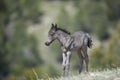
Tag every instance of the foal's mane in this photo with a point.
(64, 30)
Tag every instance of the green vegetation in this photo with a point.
(24, 25)
(95, 75)
(18, 50)
(98, 75)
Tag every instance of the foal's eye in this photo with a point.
(51, 33)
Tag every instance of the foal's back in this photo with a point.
(80, 39)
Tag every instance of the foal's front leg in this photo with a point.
(68, 54)
(64, 64)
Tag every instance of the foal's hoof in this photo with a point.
(86, 72)
(80, 72)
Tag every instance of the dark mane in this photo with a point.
(64, 30)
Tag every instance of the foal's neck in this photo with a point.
(62, 36)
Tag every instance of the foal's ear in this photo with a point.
(52, 24)
(55, 26)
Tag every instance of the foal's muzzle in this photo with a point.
(47, 43)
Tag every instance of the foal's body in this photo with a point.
(79, 41)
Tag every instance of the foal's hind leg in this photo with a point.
(86, 57)
(81, 61)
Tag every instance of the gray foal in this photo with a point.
(78, 41)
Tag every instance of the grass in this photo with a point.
(97, 75)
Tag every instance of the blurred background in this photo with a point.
(24, 25)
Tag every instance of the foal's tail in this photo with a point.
(89, 43)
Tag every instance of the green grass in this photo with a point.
(97, 75)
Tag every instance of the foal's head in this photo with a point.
(51, 35)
